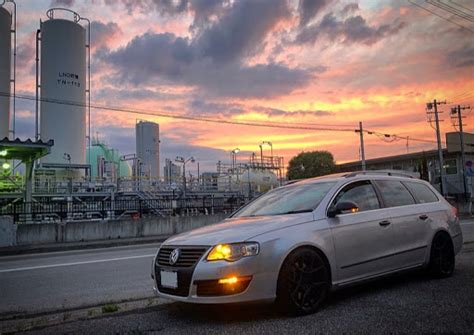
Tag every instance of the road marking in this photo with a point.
(74, 263)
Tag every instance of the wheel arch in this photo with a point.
(309, 246)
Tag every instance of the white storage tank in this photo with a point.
(5, 68)
(148, 147)
(63, 77)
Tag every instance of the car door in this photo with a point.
(363, 239)
(408, 220)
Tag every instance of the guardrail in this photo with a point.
(58, 211)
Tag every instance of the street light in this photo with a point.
(180, 159)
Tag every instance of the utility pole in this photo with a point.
(434, 105)
(458, 110)
(362, 149)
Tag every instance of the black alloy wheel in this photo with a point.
(304, 282)
(442, 259)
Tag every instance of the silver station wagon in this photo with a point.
(297, 243)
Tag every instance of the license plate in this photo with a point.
(169, 279)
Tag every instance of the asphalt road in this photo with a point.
(58, 280)
(411, 303)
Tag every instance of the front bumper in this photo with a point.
(262, 285)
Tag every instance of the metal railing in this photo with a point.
(72, 210)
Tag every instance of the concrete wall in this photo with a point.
(7, 232)
(28, 234)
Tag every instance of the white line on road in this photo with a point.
(73, 263)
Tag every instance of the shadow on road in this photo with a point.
(236, 313)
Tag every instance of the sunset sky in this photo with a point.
(319, 62)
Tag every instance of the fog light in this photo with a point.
(223, 286)
(230, 280)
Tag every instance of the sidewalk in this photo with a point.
(467, 225)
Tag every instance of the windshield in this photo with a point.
(287, 200)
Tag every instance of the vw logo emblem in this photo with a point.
(174, 256)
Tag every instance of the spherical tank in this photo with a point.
(5, 68)
(63, 77)
(263, 180)
(148, 147)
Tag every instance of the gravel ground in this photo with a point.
(410, 303)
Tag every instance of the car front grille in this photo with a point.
(188, 257)
(184, 267)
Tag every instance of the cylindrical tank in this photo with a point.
(5, 68)
(63, 77)
(148, 147)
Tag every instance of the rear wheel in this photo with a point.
(304, 282)
(442, 257)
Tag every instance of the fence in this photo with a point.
(54, 211)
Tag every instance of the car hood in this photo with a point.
(234, 230)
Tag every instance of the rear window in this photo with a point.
(422, 193)
(395, 193)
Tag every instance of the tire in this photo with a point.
(304, 282)
(442, 258)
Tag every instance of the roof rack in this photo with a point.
(397, 173)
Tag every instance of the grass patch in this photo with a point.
(110, 308)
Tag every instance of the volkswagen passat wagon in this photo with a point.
(297, 243)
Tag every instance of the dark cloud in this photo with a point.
(168, 7)
(308, 9)
(351, 30)
(241, 32)
(463, 57)
(296, 113)
(350, 8)
(214, 60)
(101, 33)
(204, 106)
(67, 3)
(114, 94)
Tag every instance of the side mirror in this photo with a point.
(343, 207)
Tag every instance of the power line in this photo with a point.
(179, 116)
(442, 17)
(220, 121)
(459, 5)
(450, 9)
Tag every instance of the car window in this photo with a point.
(394, 193)
(361, 193)
(422, 193)
(290, 199)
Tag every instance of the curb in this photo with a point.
(21, 323)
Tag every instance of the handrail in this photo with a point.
(50, 13)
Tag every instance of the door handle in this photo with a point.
(423, 217)
(384, 223)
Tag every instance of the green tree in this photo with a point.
(311, 164)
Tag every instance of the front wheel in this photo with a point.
(304, 282)
(442, 258)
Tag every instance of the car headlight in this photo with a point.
(233, 252)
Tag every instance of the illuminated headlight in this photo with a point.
(233, 252)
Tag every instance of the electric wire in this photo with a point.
(219, 121)
(440, 16)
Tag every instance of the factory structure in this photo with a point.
(68, 173)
